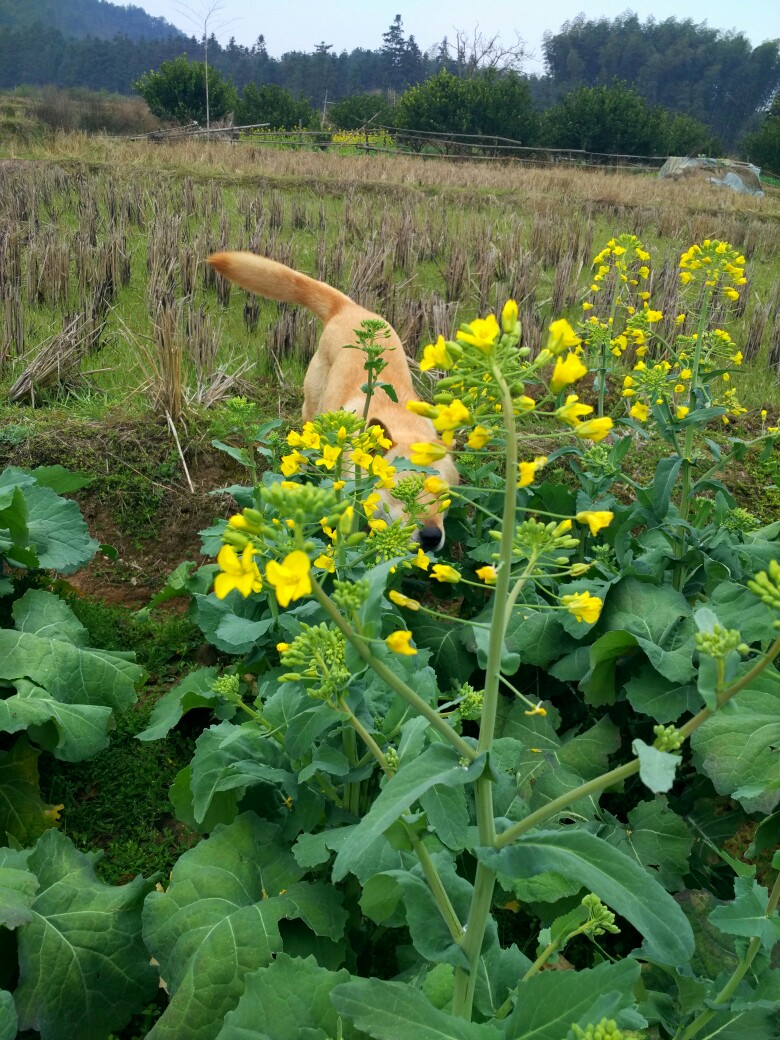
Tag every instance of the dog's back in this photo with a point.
(335, 375)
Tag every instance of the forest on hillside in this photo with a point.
(717, 78)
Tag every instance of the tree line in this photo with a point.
(676, 77)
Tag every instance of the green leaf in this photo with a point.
(83, 969)
(746, 914)
(436, 765)
(450, 658)
(223, 807)
(660, 619)
(657, 769)
(448, 815)
(551, 1002)
(737, 607)
(77, 731)
(44, 614)
(398, 1011)
(663, 482)
(430, 935)
(218, 921)
(218, 620)
(60, 480)
(650, 694)
(23, 815)
(192, 692)
(288, 996)
(57, 531)
(737, 746)
(229, 757)
(658, 839)
(17, 888)
(616, 879)
(9, 1023)
(537, 636)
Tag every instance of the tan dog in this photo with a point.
(335, 375)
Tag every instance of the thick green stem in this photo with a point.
(485, 879)
(392, 680)
(678, 577)
(595, 786)
(738, 974)
(435, 883)
(352, 790)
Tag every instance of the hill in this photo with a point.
(81, 18)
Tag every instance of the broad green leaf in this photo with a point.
(17, 888)
(746, 914)
(500, 970)
(71, 674)
(615, 878)
(537, 636)
(60, 480)
(311, 850)
(448, 815)
(657, 838)
(192, 692)
(737, 746)
(551, 1002)
(223, 807)
(9, 1023)
(57, 531)
(83, 969)
(650, 694)
(431, 937)
(451, 660)
(765, 995)
(76, 731)
(228, 757)
(657, 769)
(714, 951)
(660, 619)
(291, 711)
(44, 614)
(663, 482)
(241, 632)
(218, 619)
(218, 921)
(398, 1011)
(288, 996)
(599, 683)
(23, 815)
(436, 765)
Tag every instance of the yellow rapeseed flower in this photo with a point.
(509, 316)
(583, 606)
(487, 574)
(289, 579)
(639, 411)
(237, 572)
(567, 370)
(435, 486)
(571, 411)
(398, 642)
(444, 573)
(436, 355)
(595, 519)
(421, 561)
(594, 429)
(562, 337)
(403, 601)
(481, 333)
(682, 411)
(425, 453)
(478, 437)
(528, 470)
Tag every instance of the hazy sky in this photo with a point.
(301, 24)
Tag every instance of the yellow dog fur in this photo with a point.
(335, 375)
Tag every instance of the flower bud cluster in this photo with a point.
(667, 738)
(720, 642)
(766, 585)
(606, 1029)
(600, 917)
(318, 656)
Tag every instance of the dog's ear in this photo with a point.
(385, 431)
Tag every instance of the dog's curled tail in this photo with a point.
(275, 281)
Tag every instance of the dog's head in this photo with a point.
(430, 515)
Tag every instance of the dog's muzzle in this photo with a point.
(430, 538)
